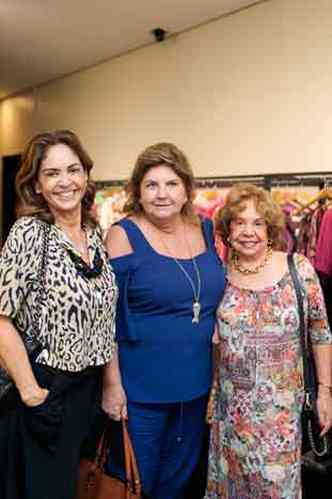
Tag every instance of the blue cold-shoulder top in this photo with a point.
(163, 356)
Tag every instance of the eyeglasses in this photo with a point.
(83, 269)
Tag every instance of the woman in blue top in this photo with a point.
(171, 282)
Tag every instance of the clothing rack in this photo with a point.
(268, 181)
(105, 184)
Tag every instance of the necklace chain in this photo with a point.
(197, 293)
(82, 248)
(254, 270)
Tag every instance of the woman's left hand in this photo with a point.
(215, 336)
(324, 407)
(114, 402)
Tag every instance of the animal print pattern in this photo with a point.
(76, 315)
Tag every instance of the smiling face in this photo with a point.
(162, 193)
(248, 233)
(62, 181)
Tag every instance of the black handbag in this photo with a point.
(316, 450)
(31, 342)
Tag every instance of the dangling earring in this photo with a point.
(269, 244)
(229, 242)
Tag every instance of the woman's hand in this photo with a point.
(35, 397)
(324, 407)
(215, 336)
(114, 402)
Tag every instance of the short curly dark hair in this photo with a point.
(264, 204)
(30, 203)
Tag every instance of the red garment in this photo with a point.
(323, 258)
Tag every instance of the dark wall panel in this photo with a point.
(10, 167)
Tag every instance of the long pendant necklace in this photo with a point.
(197, 293)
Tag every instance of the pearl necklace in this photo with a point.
(254, 270)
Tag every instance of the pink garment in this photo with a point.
(323, 258)
(222, 249)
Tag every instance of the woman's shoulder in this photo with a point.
(25, 231)
(301, 260)
(200, 225)
(23, 245)
(117, 242)
(24, 223)
(304, 266)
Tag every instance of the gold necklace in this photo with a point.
(254, 270)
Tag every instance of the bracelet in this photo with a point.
(328, 387)
(325, 385)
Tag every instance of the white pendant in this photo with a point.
(196, 312)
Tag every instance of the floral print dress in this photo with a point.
(256, 400)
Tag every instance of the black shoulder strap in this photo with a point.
(299, 298)
(30, 343)
(308, 368)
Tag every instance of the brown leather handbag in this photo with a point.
(94, 483)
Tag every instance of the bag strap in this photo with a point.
(308, 374)
(310, 386)
(46, 228)
(132, 474)
(131, 469)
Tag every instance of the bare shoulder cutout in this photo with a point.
(117, 242)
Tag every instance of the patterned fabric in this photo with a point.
(77, 314)
(258, 389)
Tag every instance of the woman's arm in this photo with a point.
(213, 402)
(114, 401)
(323, 362)
(321, 341)
(15, 360)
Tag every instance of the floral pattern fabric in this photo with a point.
(257, 396)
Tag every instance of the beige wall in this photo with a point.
(248, 93)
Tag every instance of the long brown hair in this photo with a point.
(32, 204)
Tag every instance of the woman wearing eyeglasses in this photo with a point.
(58, 292)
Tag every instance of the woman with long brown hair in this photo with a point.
(58, 294)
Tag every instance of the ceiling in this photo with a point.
(41, 40)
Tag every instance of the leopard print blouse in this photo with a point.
(76, 317)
